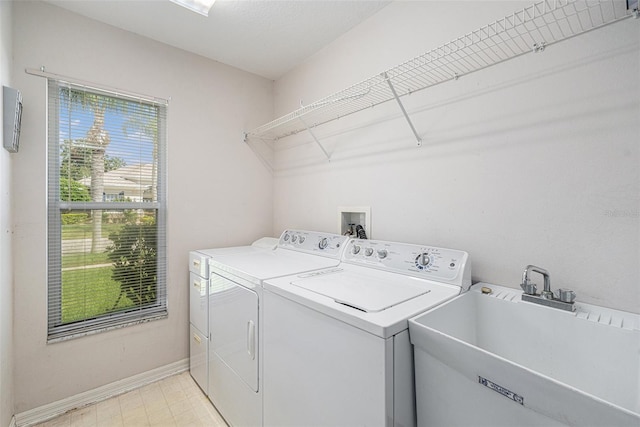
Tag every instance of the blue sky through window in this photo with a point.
(133, 146)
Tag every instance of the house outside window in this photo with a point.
(106, 210)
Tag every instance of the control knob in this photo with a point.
(368, 252)
(382, 253)
(423, 260)
(355, 249)
(294, 238)
(301, 239)
(323, 243)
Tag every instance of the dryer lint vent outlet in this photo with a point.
(349, 217)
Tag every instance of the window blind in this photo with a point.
(106, 210)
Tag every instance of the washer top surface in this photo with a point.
(378, 290)
(375, 301)
(365, 291)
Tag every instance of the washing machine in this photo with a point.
(199, 303)
(235, 316)
(336, 341)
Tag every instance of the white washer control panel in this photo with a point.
(315, 242)
(444, 265)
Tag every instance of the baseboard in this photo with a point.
(51, 410)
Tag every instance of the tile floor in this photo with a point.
(175, 401)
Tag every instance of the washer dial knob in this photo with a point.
(301, 239)
(286, 237)
(294, 238)
(368, 252)
(423, 260)
(355, 249)
(323, 243)
(382, 253)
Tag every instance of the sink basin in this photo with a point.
(492, 359)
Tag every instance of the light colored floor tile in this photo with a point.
(131, 400)
(174, 396)
(187, 382)
(108, 409)
(156, 407)
(137, 413)
(180, 407)
(188, 419)
(61, 421)
(116, 421)
(138, 420)
(175, 401)
(164, 423)
(84, 417)
(171, 383)
(160, 416)
(152, 396)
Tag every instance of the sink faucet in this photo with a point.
(565, 297)
(530, 288)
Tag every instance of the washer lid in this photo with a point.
(370, 293)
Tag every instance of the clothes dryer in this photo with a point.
(199, 304)
(235, 316)
(336, 341)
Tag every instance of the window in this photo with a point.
(106, 210)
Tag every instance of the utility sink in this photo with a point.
(492, 359)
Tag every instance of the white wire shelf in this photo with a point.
(531, 29)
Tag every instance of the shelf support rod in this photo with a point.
(406, 116)
(315, 139)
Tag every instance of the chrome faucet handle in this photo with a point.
(529, 287)
(565, 295)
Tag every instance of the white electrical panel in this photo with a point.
(12, 115)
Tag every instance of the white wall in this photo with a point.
(219, 192)
(533, 161)
(6, 235)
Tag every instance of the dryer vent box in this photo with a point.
(12, 115)
(349, 217)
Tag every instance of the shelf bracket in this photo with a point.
(539, 47)
(315, 139)
(406, 116)
(266, 162)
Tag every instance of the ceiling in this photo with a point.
(265, 37)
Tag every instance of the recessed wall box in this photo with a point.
(12, 115)
(349, 217)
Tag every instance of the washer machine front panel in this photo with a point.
(336, 341)
(320, 371)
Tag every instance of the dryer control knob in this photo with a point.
(323, 243)
(294, 238)
(355, 249)
(286, 237)
(368, 252)
(382, 253)
(301, 239)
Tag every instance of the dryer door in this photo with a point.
(233, 324)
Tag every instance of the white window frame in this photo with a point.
(56, 330)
